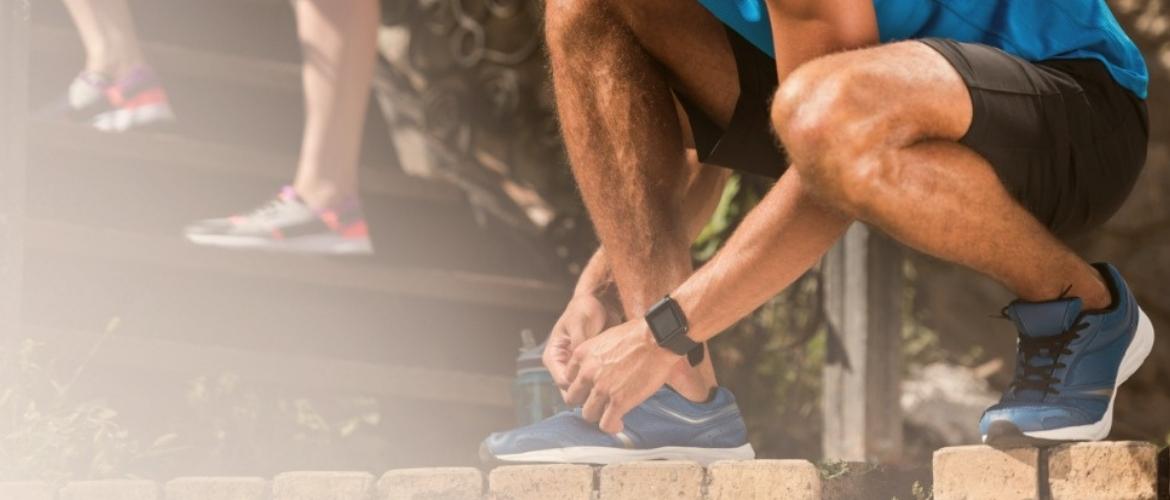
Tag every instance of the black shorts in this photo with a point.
(1065, 139)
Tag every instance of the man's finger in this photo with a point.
(554, 359)
(594, 407)
(611, 418)
(573, 367)
(578, 391)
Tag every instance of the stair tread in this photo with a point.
(220, 158)
(358, 377)
(458, 286)
(169, 58)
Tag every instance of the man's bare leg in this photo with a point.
(612, 63)
(874, 133)
(107, 32)
(339, 40)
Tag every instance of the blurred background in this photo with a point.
(142, 340)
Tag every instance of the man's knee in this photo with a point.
(836, 126)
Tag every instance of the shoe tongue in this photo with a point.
(1044, 319)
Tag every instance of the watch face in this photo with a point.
(663, 323)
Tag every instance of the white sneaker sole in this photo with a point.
(1137, 352)
(601, 455)
(324, 244)
(122, 120)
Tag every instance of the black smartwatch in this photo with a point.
(669, 326)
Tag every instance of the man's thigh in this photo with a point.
(1063, 137)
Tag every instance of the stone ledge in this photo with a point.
(1113, 470)
(29, 490)
(110, 490)
(1121, 470)
(541, 482)
(763, 479)
(323, 486)
(217, 488)
(445, 483)
(982, 472)
(1084, 471)
(665, 480)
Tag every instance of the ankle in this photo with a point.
(691, 384)
(114, 69)
(321, 197)
(1094, 293)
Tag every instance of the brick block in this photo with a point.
(763, 479)
(1120, 470)
(217, 488)
(110, 490)
(979, 472)
(542, 482)
(323, 486)
(658, 480)
(27, 490)
(441, 483)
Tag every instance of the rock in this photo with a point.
(1118, 470)
(441, 483)
(763, 479)
(542, 482)
(982, 472)
(665, 480)
(322, 486)
(110, 490)
(217, 488)
(26, 490)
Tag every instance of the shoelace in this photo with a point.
(268, 209)
(1042, 377)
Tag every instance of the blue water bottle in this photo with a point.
(534, 394)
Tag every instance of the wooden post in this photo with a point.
(14, 56)
(864, 285)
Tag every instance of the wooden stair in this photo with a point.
(429, 325)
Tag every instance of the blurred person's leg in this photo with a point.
(339, 40)
(107, 32)
(320, 212)
(116, 91)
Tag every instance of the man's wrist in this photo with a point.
(647, 336)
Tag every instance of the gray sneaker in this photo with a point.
(288, 224)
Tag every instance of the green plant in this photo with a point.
(45, 432)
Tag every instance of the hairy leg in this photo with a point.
(107, 32)
(874, 133)
(612, 63)
(339, 43)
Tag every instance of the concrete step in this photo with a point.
(1082, 471)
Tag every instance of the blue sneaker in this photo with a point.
(665, 427)
(1068, 369)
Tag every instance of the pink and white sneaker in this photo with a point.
(288, 224)
(137, 100)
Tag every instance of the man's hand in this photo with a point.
(584, 318)
(612, 373)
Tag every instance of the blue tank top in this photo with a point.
(1035, 30)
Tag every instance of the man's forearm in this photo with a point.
(778, 241)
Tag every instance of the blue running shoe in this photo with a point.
(665, 427)
(1069, 366)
